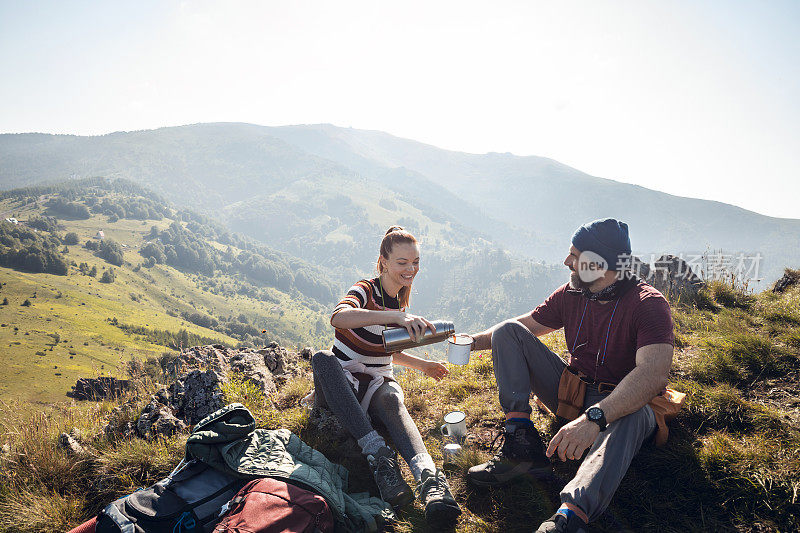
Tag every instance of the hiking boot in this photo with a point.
(441, 508)
(522, 453)
(394, 490)
(560, 523)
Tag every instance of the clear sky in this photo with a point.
(695, 98)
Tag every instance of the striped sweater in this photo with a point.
(364, 344)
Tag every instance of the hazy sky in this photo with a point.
(694, 98)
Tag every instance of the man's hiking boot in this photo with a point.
(441, 508)
(561, 523)
(522, 453)
(394, 490)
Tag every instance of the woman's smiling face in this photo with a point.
(402, 264)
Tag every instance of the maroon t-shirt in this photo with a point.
(605, 349)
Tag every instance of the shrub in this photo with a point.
(71, 238)
(730, 296)
(108, 276)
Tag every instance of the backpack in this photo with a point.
(269, 505)
(187, 501)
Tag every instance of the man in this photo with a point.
(619, 335)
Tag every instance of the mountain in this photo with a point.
(553, 199)
(529, 205)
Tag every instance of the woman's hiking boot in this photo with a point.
(441, 508)
(394, 490)
(562, 523)
(522, 453)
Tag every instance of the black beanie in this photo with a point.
(608, 238)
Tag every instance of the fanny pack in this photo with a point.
(572, 393)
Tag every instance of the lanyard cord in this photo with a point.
(598, 362)
(579, 327)
(608, 331)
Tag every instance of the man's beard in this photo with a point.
(577, 283)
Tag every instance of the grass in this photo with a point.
(732, 462)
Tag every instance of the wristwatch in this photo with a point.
(596, 415)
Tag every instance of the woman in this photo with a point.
(355, 379)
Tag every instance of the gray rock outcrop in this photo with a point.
(674, 278)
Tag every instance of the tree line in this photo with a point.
(22, 248)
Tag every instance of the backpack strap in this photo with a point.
(122, 522)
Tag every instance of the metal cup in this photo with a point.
(458, 348)
(455, 426)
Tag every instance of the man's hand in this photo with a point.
(435, 369)
(573, 439)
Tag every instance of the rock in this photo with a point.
(98, 388)
(674, 278)
(275, 358)
(69, 444)
(328, 425)
(639, 268)
(306, 353)
(251, 366)
(198, 395)
(157, 420)
(77, 434)
(196, 378)
(789, 279)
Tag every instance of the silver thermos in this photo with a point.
(396, 339)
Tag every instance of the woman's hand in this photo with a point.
(435, 369)
(416, 325)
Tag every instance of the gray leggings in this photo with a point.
(332, 390)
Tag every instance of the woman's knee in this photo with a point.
(322, 359)
(390, 398)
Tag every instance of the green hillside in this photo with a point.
(75, 325)
(731, 462)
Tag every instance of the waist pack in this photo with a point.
(269, 505)
(572, 392)
(189, 500)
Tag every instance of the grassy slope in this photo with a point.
(731, 463)
(77, 308)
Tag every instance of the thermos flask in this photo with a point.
(396, 339)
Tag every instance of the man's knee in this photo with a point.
(639, 424)
(507, 330)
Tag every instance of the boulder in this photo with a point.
(198, 394)
(70, 444)
(252, 367)
(98, 388)
(789, 279)
(674, 278)
(156, 420)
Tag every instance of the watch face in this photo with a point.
(594, 413)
